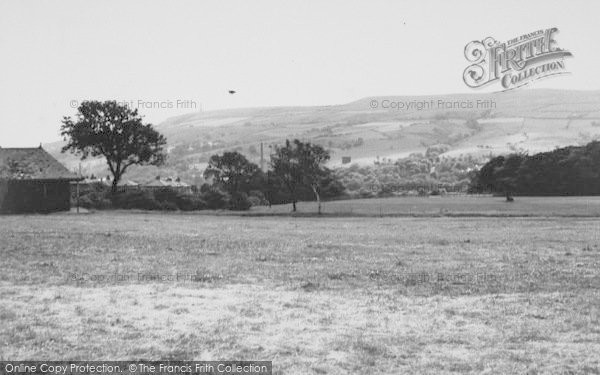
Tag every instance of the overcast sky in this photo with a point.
(272, 53)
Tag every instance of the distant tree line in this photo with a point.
(297, 169)
(573, 170)
(117, 133)
(418, 174)
(297, 172)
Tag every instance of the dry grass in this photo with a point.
(316, 296)
(457, 206)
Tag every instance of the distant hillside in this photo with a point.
(520, 120)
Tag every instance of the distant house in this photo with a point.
(169, 182)
(31, 180)
(91, 183)
(122, 185)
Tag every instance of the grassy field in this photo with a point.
(461, 205)
(325, 295)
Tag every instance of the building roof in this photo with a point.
(158, 183)
(32, 164)
(127, 183)
(168, 182)
(108, 182)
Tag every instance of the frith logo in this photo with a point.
(514, 63)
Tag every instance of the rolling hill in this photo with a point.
(386, 127)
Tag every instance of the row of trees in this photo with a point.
(118, 134)
(422, 173)
(565, 171)
(296, 167)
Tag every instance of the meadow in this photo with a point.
(329, 295)
(452, 206)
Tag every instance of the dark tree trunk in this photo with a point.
(294, 206)
(115, 183)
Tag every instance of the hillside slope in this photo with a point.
(476, 124)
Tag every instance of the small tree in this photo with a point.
(300, 164)
(115, 132)
(232, 171)
(312, 160)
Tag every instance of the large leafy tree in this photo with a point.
(232, 171)
(114, 132)
(299, 165)
(564, 171)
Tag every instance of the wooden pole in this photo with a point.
(262, 158)
(78, 187)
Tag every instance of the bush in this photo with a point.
(99, 197)
(257, 198)
(215, 199)
(137, 199)
(94, 196)
(205, 188)
(166, 195)
(239, 202)
(168, 206)
(85, 202)
(255, 201)
(162, 199)
(190, 203)
(98, 204)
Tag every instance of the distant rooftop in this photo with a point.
(32, 164)
(167, 182)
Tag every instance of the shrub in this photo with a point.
(85, 202)
(190, 203)
(94, 196)
(239, 202)
(254, 201)
(171, 199)
(166, 195)
(98, 204)
(205, 188)
(257, 198)
(140, 199)
(366, 193)
(215, 199)
(166, 199)
(168, 206)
